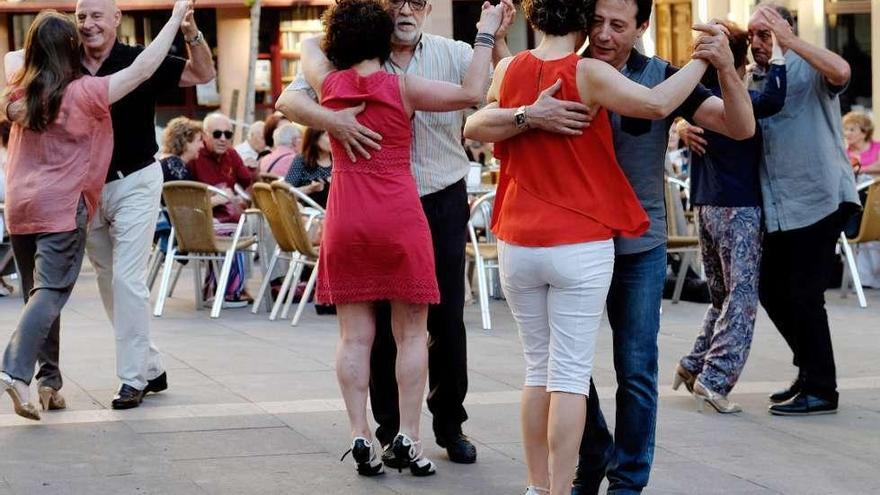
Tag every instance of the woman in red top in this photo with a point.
(560, 201)
(376, 243)
(59, 153)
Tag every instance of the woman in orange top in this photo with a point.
(561, 200)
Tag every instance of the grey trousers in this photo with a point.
(49, 264)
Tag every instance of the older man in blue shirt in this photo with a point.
(808, 190)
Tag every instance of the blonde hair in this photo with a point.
(179, 132)
(862, 121)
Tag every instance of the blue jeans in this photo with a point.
(634, 313)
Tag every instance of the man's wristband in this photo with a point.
(484, 39)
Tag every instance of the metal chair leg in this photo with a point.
(267, 276)
(166, 276)
(305, 297)
(682, 273)
(854, 271)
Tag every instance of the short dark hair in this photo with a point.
(643, 12)
(357, 30)
(559, 17)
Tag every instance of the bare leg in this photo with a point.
(409, 323)
(566, 426)
(357, 328)
(533, 417)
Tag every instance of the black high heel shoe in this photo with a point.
(368, 463)
(405, 448)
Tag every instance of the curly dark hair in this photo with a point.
(357, 30)
(559, 17)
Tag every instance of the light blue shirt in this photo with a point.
(805, 173)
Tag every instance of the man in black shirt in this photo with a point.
(121, 232)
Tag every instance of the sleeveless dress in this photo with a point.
(376, 243)
(557, 189)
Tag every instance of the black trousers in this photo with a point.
(447, 213)
(795, 270)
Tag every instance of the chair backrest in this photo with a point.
(676, 225)
(265, 201)
(292, 216)
(189, 208)
(481, 215)
(869, 230)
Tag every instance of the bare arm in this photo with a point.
(314, 62)
(200, 63)
(12, 111)
(440, 96)
(832, 66)
(143, 67)
(600, 84)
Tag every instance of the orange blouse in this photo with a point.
(555, 189)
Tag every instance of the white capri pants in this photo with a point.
(557, 296)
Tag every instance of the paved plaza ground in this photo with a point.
(253, 408)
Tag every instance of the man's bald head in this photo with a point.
(218, 133)
(96, 21)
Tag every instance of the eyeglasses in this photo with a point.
(415, 5)
(226, 134)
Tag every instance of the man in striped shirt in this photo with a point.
(439, 164)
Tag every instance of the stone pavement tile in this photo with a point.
(676, 474)
(280, 474)
(113, 485)
(231, 443)
(45, 453)
(863, 399)
(270, 387)
(176, 425)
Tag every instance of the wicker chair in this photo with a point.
(484, 254)
(297, 222)
(286, 248)
(192, 232)
(869, 231)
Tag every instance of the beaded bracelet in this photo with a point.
(484, 39)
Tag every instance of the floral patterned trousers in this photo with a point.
(730, 242)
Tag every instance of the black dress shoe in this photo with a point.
(788, 393)
(391, 460)
(804, 404)
(459, 449)
(128, 397)
(157, 384)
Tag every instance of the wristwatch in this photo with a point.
(519, 118)
(195, 40)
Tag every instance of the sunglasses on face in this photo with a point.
(226, 134)
(415, 5)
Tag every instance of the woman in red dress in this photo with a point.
(376, 244)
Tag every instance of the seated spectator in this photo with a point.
(252, 147)
(278, 161)
(859, 131)
(219, 165)
(310, 171)
(181, 143)
(272, 122)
